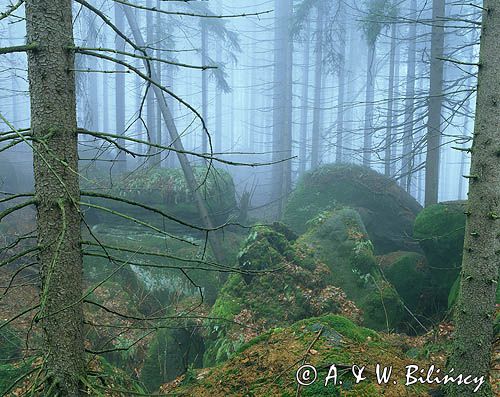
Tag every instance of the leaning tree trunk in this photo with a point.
(475, 312)
(435, 104)
(187, 170)
(55, 162)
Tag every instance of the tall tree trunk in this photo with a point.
(409, 101)
(318, 79)
(253, 100)
(218, 96)
(463, 156)
(55, 161)
(304, 107)
(342, 86)
(369, 97)
(281, 103)
(105, 98)
(120, 91)
(177, 144)
(159, 67)
(435, 104)
(288, 132)
(390, 104)
(150, 97)
(204, 83)
(475, 312)
(93, 93)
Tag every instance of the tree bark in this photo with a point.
(159, 67)
(120, 92)
(390, 104)
(369, 97)
(318, 79)
(204, 83)
(304, 108)
(409, 101)
(435, 104)
(281, 104)
(475, 311)
(218, 96)
(342, 83)
(55, 162)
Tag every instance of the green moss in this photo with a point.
(171, 354)
(340, 324)
(409, 274)
(340, 240)
(295, 287)
(382, 306)
(166, 189)
(388, 212)
(440, 230)
(266, 365)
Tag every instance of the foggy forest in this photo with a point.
(234, 198)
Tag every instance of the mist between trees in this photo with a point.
(160, 159)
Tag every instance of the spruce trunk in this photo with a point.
(55, 161)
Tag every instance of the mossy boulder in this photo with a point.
(409, 274)
(154, 260)
(166, 190)
(177, 348)
(280, 283)
(339, 239)
(387, 211)
(267, 365)
(440, 230)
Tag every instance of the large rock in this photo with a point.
(281, 283)
(388, 211)
(166, 190)
(339, 239)
(409, 273)
(440, 230)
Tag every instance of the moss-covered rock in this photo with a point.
(388, 212)
(440, 230)
(291, 285)
(382, 306)
(409, 274)
(267, 365)
(166, 190)
(177, 348)
(339, 239)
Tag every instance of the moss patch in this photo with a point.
(291, 285)
(165, 189)
(339, 239)
(267, 366)
(388, 212)
(440, 230)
